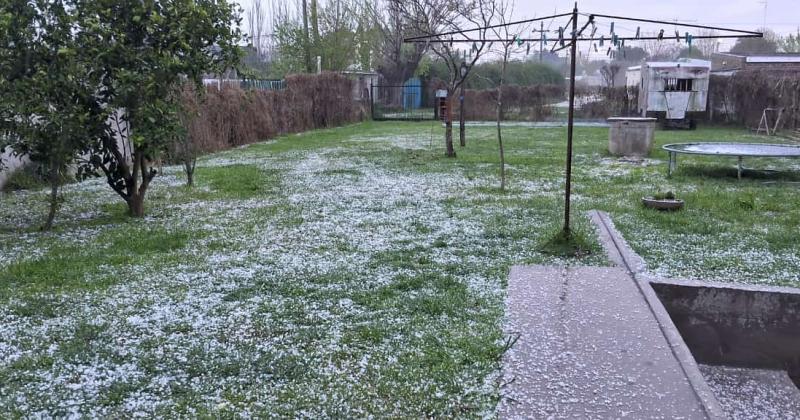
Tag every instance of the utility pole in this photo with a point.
(571, 121)
(541, 44)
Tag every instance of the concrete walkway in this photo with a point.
(589, 346)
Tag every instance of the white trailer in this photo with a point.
(671, 90)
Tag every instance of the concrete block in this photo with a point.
(631, 136)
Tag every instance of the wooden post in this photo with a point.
(461, 131)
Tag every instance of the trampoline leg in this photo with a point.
(740, 168)
(672, 163)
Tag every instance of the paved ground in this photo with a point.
(754, 393)
(589, 347)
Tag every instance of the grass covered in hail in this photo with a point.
(342, 273)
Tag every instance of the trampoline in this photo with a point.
(738, 150)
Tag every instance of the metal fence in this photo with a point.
(255, 84)
(409, 102)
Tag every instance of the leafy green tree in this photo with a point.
(145, 49)
(520, 73)
(49, 107)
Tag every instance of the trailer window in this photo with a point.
(678, 85)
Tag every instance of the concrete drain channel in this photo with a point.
(744, 341)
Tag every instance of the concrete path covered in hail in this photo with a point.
(589, 347)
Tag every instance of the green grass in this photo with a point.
(238, 181)
(347, 272)
(572, 244)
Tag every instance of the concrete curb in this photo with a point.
(622, 255)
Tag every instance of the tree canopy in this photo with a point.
(145, 50)
(49, 104)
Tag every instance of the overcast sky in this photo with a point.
(783, 16)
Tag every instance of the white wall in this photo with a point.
(10, 164)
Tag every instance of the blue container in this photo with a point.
(412, 94)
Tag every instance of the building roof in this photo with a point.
(766, 58)
(684, 62)
(774, 59)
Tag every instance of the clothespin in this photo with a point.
(637, 32)
(612, 28)
(595, 47)
(451, 42)
(608, 53)
(689, 39)
(661, 35)
(615, 40)
(519, 41)
(474, 47)
(602, 40)
(678, 36)
(561, 36)
(528, 51)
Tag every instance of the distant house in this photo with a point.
(729, 63)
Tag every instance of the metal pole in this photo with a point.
(541, 44)
(461, 137)
(570, 123)
(372, 100)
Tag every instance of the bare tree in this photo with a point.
(609, 73)
(433, 18)
(397, 61)
(504, 11)
(664, 49)
(706, 46)
(256, 23)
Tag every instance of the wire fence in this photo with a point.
(247, 84)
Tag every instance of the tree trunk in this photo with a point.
(499, 119)
(54, 181)
(448, 128)
(500, 144)
(461, 130)
(189, 165)
(306, 42)
(136, 205)
(138, 188)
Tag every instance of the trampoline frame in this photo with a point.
(674, 151)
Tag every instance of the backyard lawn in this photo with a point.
(346, 272)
